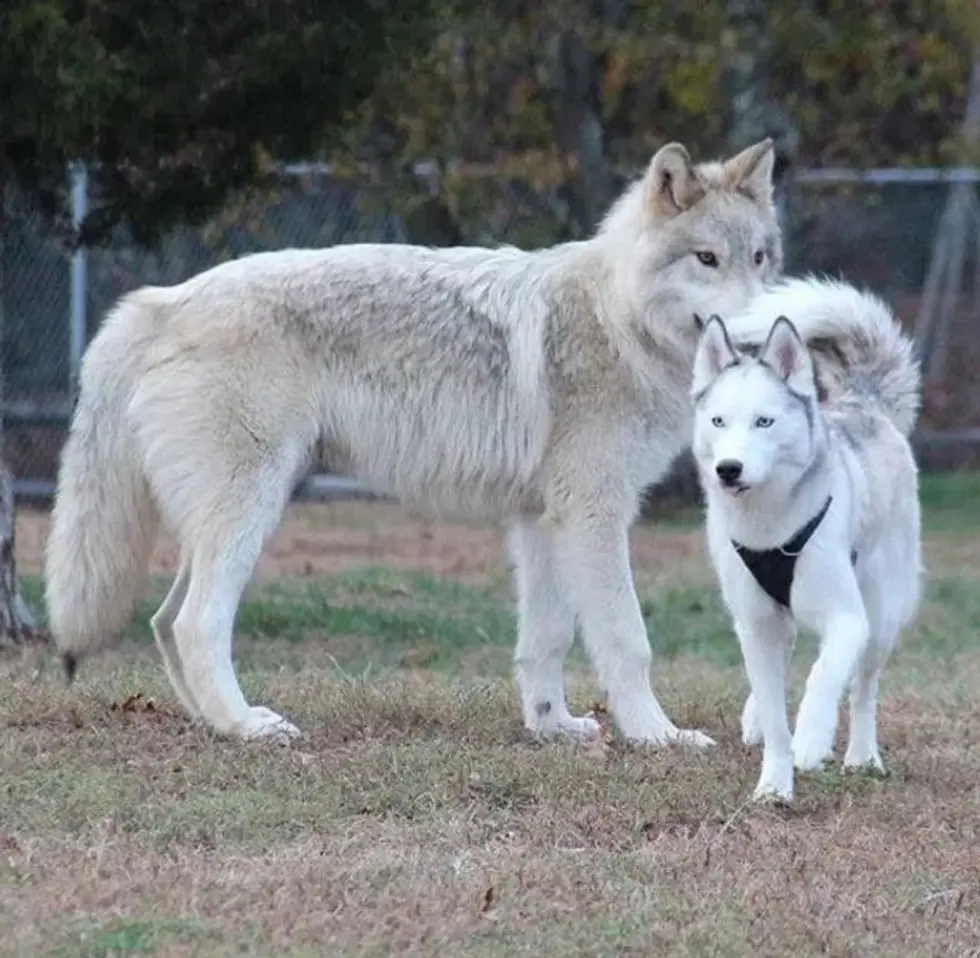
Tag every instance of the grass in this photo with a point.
(416, 817)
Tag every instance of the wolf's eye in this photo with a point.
(717, 422)
(759, 257)
(763, 422)
(707, 258)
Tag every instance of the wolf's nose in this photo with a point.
(729, 471)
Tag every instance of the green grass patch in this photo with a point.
(126, 937)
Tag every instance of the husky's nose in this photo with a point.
(729, 471)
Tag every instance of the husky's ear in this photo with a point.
(750, 172)
(787, 355)
(715, 353)
(672, 183)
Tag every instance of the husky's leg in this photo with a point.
(223, 553)
(884, 612)
(862, 745)
(545, 631)
(751, 728)
(162, 625)
(593, 553)
(845, 635)
(767, 641)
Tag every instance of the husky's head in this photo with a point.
(755, 421)
(690, 240)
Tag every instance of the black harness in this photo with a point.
(773, 569)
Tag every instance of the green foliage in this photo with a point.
(863, 82)
(188, 102)
(176, 105)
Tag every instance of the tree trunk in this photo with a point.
(16, 622)
(943, 287)
(579, 124)
(752, 114)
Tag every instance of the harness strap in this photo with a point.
(774, 568)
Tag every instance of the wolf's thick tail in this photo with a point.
(858, 344)
(104, 519)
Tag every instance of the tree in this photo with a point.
(515, 96)
(752, 111)
(175, 106)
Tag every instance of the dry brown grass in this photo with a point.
(417, 818)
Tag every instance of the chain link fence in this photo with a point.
(876, 229)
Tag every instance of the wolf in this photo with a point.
(812, 502)
(542, 389)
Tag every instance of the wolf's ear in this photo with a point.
(715, 353)
(672, 183)
(787, 356)
(750, 172)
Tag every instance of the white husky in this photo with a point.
(544, 388)
(812, 507)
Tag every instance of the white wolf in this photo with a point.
(545, 389)
(812, 507)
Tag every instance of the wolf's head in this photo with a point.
(690, 240)
(755, 420)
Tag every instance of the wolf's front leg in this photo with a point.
(766, 637)
(545, 631)
(593, 555)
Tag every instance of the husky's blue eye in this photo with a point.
(706, 258)
(763, 422)
(717, 422)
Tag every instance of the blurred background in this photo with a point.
(143, 144)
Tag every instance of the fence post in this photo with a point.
(77, 328)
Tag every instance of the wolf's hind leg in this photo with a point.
(231, 525)
(162, 625)
(545, 632)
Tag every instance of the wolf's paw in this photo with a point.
(692, 738)
(263, 723)
(565, 726)
(687, 737)
(553, 720)
(751, 730)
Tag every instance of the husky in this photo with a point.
(543, 389)
(812, 507)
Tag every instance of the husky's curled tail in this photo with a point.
(860, 351)
(104, 518)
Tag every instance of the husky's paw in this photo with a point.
(751, 730)
(263, 723)
(861, 758)
(775, 781)
(812, 747)
(769, 793)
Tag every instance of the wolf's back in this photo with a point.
(858, 345)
